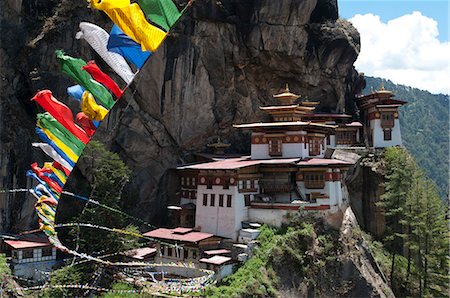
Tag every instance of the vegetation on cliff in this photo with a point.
(306, 258)
(417, 235)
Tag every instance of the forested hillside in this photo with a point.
(425, 128)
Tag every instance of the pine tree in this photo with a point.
(399, 167)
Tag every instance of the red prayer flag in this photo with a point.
(60, 167)
(86, 123)
(61, 113)
(102, 78)
(40, 173)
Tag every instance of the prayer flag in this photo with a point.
(122, 44)
(47, 122)
(61, 113)
(161, 12)
(131, 20)
(86, 123)
(91, 109)
(103, 78)
(98, 38)
(72, 67)
(75, 92)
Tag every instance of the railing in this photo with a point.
(272, 186)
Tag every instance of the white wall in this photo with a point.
(274, 217)
(378, 135)
(32, 269)
(222, 221)
(37, 256)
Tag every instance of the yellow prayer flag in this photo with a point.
(91, 108)
(131, 20)
(109, 4)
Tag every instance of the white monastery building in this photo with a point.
(287, 170)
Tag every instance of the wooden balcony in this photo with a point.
(274, 187)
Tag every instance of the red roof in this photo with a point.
(171, 234)
(322, 161)
(20, 244)
(237, 163)
(140, 253)
(216, 260)
(217, 252)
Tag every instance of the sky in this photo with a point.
(406, 42)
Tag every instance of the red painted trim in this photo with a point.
(274, 206)
(320, 207)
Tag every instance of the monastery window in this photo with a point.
(15, 254)
(193, 181)
(229, 200)
(205, 199)
(247, 184)
(387, 119)
(328, 140)
(27, 254)
(247, 200)
(275, 147)
(314, 146)
(209, 183)
(226, 183)
(182, 180)
(169, 251)
(220, 200)
(213, 200)
(185, 253)
(47, 252)
(387, 134)
(194, 254)
(187, 181)
(314, 180)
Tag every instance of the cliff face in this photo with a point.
(223, 60)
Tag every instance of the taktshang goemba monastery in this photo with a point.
(290, 167)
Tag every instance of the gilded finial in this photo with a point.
(382, 85)
(287, 87)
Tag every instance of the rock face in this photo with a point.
(223, 60)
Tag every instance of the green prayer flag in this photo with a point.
(46, 121)
(162, 12)
(72, 67)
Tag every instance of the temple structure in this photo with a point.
(288, 169)
(379, 111)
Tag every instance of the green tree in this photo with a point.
(398, 179)
(108, 176)
(68, 275)
(416, 226)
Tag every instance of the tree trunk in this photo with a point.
(392, 270)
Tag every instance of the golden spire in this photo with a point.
(382, 85)
(287, 97)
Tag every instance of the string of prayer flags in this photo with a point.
(73, 68)
(131, 20)
(122, 44)
(102, 78)
(98, 38)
